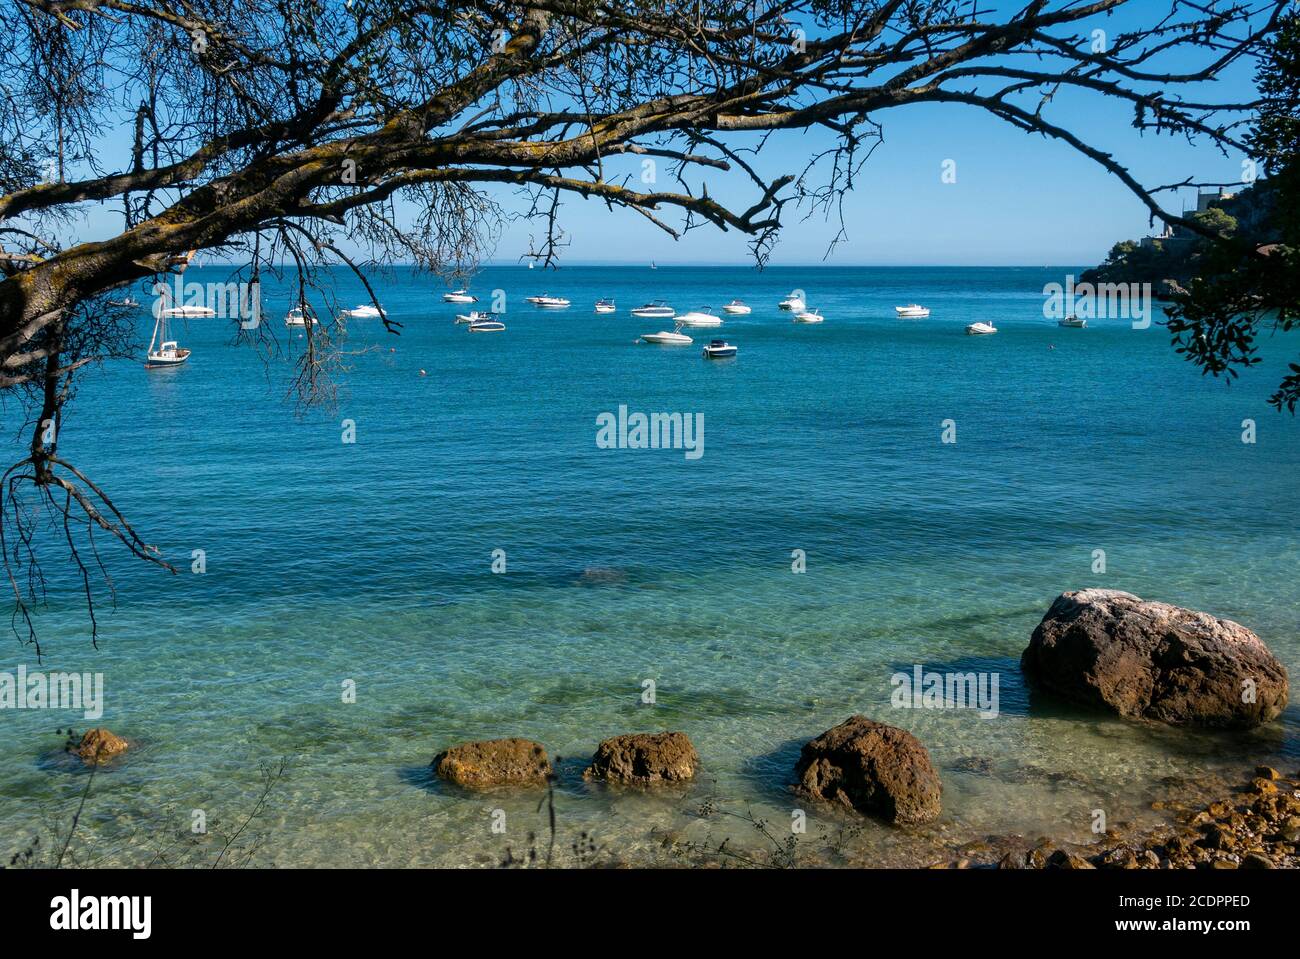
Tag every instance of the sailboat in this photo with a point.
(168, 352)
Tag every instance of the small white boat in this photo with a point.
(981, 329)
(1073, 323)
(656, 310)
(736, 308)
(367, 311)
(699, 317)
(912, 311)
(664, 338)
(551, 302)
(793, 303)
(718, 350)
(459, 296)
(487, 326)
(189, 311)
(125, 301)
(809, 316)
(297, 318)
(605, 306)
(475, 316)
(168, 353)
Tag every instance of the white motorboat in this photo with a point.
(736, 308)
(719, 350)
(912, 311)
(459, 296)
(367, 311)
(296, 318)
(809, 316)
(192, 310)
(664, 338)
(125, 301)
(700, 317)
(655, 310)
(793, 303)
(487, 326)
(475, 316)
(1073, 323)
(168, 353)
(981, 329)
(605, 306)
(551, 302)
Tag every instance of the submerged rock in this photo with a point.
(1149, 660)
(100, 745)
(602, 576)
(494, 762)
(644, 759)
(878, 770)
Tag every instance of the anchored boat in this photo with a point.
(297, 317)
(699, 317)
(655, 309)
(169, 352)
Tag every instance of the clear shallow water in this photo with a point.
(371, 562)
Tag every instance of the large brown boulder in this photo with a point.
(644, 759)
(878, 770)
(494, 762)
(100, 745)
(1148, 660)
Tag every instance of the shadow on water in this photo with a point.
(1013, 694)
(771, 774)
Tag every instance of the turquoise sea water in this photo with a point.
(371, 561)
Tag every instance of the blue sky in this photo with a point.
(1018, 199)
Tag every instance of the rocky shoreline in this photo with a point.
(1256, 826)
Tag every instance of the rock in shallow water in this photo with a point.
(876, 769)
(494, 762)
(1149, 660)
(100, 745)
(644, 759)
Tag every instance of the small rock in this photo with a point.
(1257, 860)
(877, 769)
(100, 745)
(1267, 772)
(1120, 858)
(644, 759)
(494, 762)
(1067, 860)
(1218, 836)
